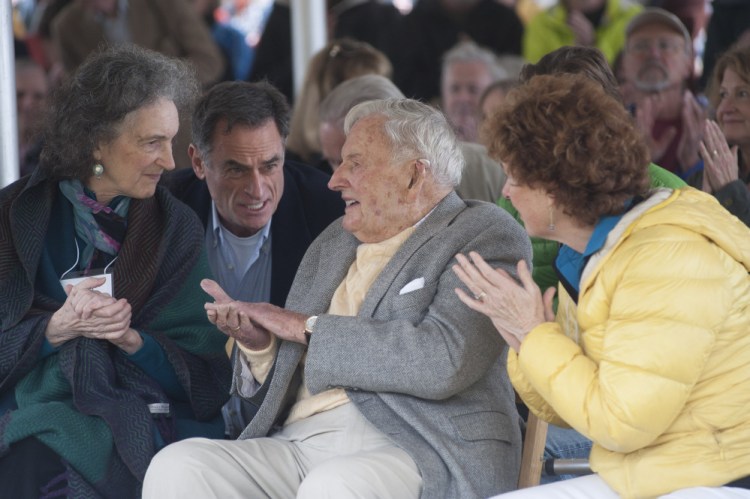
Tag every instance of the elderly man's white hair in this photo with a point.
(468, 51)
(351, 92)
(415, 130)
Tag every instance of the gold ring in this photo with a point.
(480, 296)
(716, 153)
(236, 328)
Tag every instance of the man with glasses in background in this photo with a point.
(657, 67)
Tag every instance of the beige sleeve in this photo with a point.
(260, 361)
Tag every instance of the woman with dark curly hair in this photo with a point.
(105, 351)
(649, 355)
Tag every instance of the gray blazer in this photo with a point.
(421, 366)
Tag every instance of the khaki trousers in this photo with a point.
(334, 454)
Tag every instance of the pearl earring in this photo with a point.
(98, 170)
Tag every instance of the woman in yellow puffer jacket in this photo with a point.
(649, 355)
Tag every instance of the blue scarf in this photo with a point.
(100, 227)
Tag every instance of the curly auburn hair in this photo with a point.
(563, 133)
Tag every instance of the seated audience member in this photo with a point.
(379, 383)
(433, 27)
(648, 358)
(467, 70)
(657, 66)
(32, 91)
(260, 211)
(105, 356)
(338, 61)
(482, 178)
(693, 14)
(726, 171)
(563, 443)
(583, 23)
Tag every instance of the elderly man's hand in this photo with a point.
(251, 323)
(231, 318)
(284, 324)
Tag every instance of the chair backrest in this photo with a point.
(532, 459)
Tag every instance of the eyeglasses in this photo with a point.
(662, 45)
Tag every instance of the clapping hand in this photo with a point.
(720, 163)
(583, 30)
(646, 111)
(514, 309)
(693, 119)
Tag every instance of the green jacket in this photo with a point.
(549, 30)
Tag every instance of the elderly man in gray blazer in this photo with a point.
(374, 380)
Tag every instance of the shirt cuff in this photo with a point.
(259, 361)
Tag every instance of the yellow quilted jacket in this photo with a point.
(653, 364)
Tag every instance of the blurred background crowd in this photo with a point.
(444, 52)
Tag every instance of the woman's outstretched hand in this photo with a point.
(514, 309)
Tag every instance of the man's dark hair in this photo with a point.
(238, 103)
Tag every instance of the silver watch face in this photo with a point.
(310, 323)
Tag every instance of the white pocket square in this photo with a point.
(412, 286)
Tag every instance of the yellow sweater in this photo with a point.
(653, 364)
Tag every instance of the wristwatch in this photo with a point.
(309, 325)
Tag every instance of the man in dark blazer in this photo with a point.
(379, 382)
(260, 211)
